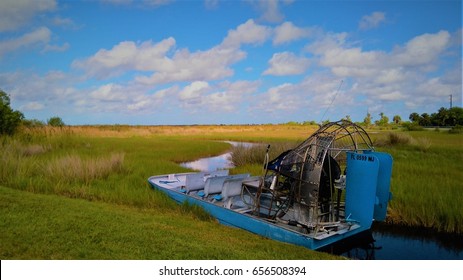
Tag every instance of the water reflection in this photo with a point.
(215, 163)
(210, 164)
(386, 242)
(405, 243)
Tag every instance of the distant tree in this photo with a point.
(309, 123)
(9, 118)
(347, 118)
(367, 120)
(414, 117)
(441, 117)
(456, 116)
(33, 123)
(448, 117)
(425, 120)
(56, 122)
(383, 121)
(397, 119)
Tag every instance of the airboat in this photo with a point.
(331, 186)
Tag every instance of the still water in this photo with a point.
(382, 242)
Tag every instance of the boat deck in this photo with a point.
(226, 191)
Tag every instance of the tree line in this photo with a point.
(443, 117)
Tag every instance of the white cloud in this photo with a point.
(32, 106)
(288, 32)
(143, 3)
(65, 23)
(202, 97)
(56, 48)
(193, 92)
(170, 65)
(351, 57)
(327, 41)
(157, 3)
(230, 95)
(123, 98)
(308, 97)
(423, 49)
(270, 10)
(418, 55)
(26, 86)
(391, 96)
(15, 14)
(211, 4)
(40, 37)
(287, 63)
(372, 21)
(127, 56)
(110, 92)
(247, 33)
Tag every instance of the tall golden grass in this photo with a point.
(71, 168)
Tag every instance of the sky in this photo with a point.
(163, 62)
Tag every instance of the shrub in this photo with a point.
(394, 138)
(56, 122)
(456, 129)
(412, 126)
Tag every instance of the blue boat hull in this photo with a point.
(255, 225)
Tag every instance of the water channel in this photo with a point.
(382, 242)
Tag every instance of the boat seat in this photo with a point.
(214, 185)
(232, 188)
(197, 181)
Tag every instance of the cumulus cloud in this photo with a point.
(192, 92)
(32, 106)
(287, 63)
(247, 33)
(169, 64)
(288, 32)
(38, 37)
(15, 14)
(372, 21)
(271, 10)
(225, 96)
(344, 61)
(423, 49)
(145, 3)
(56, 48)
(228, 96)
(131, 98)
(309, 97)
(127, 56)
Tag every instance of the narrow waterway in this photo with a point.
(382, 242)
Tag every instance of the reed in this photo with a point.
(255, 154)
(71, 168)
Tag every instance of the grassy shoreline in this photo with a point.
(110, 165)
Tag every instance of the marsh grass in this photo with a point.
(242, 155)
(73, 168)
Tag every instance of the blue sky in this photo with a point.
(229, 62)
